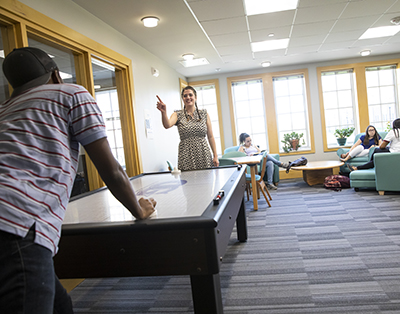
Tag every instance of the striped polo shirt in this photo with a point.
(39, 135)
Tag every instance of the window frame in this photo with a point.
(269, 104)
(27, 20)
(361, 93)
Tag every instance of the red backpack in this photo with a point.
(337, 182)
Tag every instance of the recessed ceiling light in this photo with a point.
(266, 64)
(365, 53)
(395, 20)
(194, 62)
(271, 35)
(254, 7)
(150, 21)
(382, 31)
(270, 45)
(217, 69)
(188, 56)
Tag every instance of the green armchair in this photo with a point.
(356, 161)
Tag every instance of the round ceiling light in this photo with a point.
(150, 21)
(365, 53)
(265, 64)
(188, 56)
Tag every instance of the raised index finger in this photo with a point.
(159, 98)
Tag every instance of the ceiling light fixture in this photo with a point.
(395, 20)
(150, 21)
(382, 31)
(254, 7)
(266, 64)
(188, 56)
(194, 62)
(267, 45)
(365, 53)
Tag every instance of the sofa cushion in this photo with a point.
(365, 174)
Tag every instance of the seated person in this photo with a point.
(251, 150)
(370, 139)
(393, 137)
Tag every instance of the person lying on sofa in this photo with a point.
(370, 139)
(393, 137)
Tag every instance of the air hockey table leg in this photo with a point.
(241, 223)
(206, 293)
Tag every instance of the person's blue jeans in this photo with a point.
(270, 168)
(28, 284)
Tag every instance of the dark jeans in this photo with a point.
(370, 164)
(28, 284)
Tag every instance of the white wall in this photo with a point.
(164, 146)
(314, 99)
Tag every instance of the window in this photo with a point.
(339, 103)
(248, 104)
(382, 95)
(207, 99)
(291, 108)
(107, 100)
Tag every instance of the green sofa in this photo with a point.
(356, 161)
(276, 156)
(384, 177)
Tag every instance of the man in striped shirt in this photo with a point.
(41, 126)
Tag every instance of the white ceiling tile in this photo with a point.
(228, 39)
(237, 57)
(336, 46)
(270, 20)
(225, 26)
(262, 34)
(359, 23)
(303, 49)
(306, 40)
(344, 36)
(308, 29)
(234, 49)
(269, 54)
(367, 7)
(312, 3)
(219, 9)
(319, 13)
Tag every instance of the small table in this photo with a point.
(251, 161)
(315, 172)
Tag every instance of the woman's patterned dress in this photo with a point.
(194, 152)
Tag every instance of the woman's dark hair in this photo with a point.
(242, 138)
(396, 127)
(195, 94)
(376, 136)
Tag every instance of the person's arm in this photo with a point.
(167, 122)
(383, 144)
(116, 179)
(258, 150)
(211, 140)
(241, 149)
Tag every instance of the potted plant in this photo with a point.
(291, 141)
(343, 134)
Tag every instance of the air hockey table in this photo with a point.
(187, 235)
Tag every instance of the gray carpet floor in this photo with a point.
(313, 251)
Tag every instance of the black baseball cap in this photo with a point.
(27, 67)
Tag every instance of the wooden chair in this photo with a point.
(260, 182)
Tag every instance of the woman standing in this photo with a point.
(369, 140)
(193, 126)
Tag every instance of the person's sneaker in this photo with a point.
(285, 165)
(271, 187)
